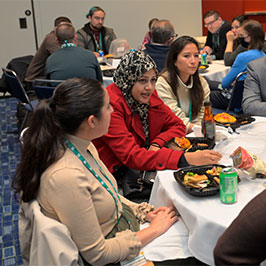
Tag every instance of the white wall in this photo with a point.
(129, 18)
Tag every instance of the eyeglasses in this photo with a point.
(210, 23)
(174, 35)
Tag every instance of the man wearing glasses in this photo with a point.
(216, 39)
(162, 35)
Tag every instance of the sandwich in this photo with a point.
(196, 180)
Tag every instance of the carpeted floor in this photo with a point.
(10, 155)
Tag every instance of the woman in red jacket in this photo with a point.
(142, 124)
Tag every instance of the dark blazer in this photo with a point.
(254, 95)
(244, 241)
(158, 53)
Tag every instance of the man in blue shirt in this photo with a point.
(162, 35)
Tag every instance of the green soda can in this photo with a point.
(228, 185)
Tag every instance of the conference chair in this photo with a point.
(44, 88)
(17, 90)
(235, 103)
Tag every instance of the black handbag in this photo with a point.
(134, 185)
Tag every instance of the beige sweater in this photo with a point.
(70, 194)
(183, 91)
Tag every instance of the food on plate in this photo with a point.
(203, 66)
(183, 142)
(224, 118)
(196, 180)
(202, 144)
(216, 170)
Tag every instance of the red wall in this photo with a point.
(230, 9)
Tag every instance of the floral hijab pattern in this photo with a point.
(132, 66)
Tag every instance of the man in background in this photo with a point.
(254, 95)
(216, 39)
(94, 36)
(49, 45)
(163, 34)
(71, 61)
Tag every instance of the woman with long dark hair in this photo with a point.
(253, 34)
(180, 86)
(234, 45)
(61, 169)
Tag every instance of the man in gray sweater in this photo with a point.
(254, 95)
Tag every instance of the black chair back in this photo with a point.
(16, 88)
(235, 103)
(44, 88)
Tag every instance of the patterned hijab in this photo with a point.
(132, 66)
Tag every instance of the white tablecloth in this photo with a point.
(207, 218)
(216, 71)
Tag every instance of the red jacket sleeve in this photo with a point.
(126, 140)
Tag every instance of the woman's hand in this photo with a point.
(154, 147)
(163, 219)
(203, 157)
(152, 214)
(230, 36)
(190, 128)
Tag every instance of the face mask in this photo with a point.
(242, 42)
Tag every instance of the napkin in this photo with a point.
(171, 245)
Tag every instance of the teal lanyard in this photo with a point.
(68, 45)
(189, 110)
(83, 160)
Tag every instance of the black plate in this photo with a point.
(210, 190)
(240, 121)
(196, 140)
(203, 68)
(108, 72)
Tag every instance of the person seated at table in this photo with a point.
(142, 124)
(61, 169)
(163, 34)
(49, 45)
(253, 33)
(216, 37)
(71, 61)
(94, 36)
(244, 241)
(147, 37)
(234, 44)
(180, 86)
(254, 94)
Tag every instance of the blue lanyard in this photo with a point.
(83, 160)
(189, 110)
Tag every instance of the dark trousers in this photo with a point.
(218, 100)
